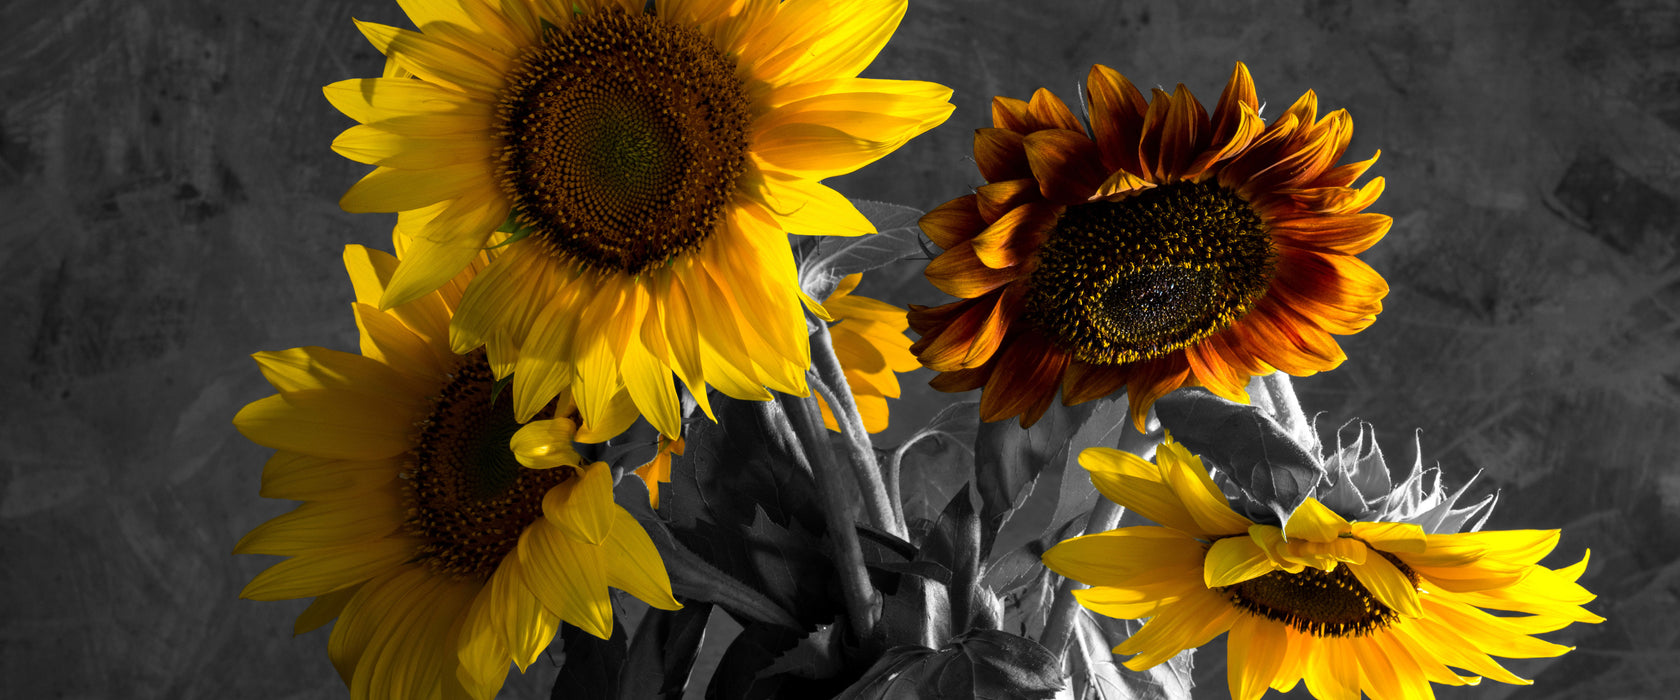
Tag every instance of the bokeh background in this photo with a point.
(168, 203)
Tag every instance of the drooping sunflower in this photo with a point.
(1384, 608)
(444, 551)
(650, 165)
(1162, 248)
(869, 341)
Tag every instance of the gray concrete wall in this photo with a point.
(168, 203)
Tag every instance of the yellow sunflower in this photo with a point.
(1162, 248)
(1383, 608)
(649, 164)
(869, 341)
(442, 557)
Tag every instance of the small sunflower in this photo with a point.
(422, 530)
(1383, 608)
(1162, 248)
(649, 165)
(869, 341)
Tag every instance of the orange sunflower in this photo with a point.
(1162, 248)
(649, 165)
(446, 539)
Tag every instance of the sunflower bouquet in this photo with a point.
(596, 361)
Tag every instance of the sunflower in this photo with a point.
(1163, 248)
(1383, 608)
(421, 530)
(649, 165)
(869, 341)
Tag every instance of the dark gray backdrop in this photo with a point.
(169, 206)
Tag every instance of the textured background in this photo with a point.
(169, 206)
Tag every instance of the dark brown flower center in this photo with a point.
(623, 137)
(1322, 603)
(468, 497)
(1136, 279)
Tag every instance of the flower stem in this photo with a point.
(863, 603)
(883, 510)
(1058, 629)
(1286, 407)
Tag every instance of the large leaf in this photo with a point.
(979, 664)
(1062, 491)
(954, 543)
(1098, 676)
(697, 578)
(1256, 453)
(661, 652)
(739, 673)
(1008, 460)
(591, 665)
(739, 500)
(933, 463)
(835, 257)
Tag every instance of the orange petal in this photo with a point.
(960, 273)
(1047, 111)
(1010, 113)
(1184, 135)
(953, 223)
(1344, 175)
(1084, 381)
(1117, 109)
(1066, 164)
(1028, 374)
(1016, 236)
(1152, 379)
(1350, 234)
(994, 200)
(1000, 154)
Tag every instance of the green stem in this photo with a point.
(884, 511)
(1286, 407)
(863, 603)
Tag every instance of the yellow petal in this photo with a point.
(545, 444)
(567, 575)
(388, 340)
(620, 414)
(390, 189)
(1192, 622)
(582, 506)
(1333, 673)
(332, 424)
(855, 33)
(382, 598)
(1383, 580)
(1122, 603)
(317, 525)
(526, 627)
(380, 100)
(429, 264)
(634, 565)
(1257, 649)
(322, 610)
(324, 571)
(481, 652)
(434, 60)
(1189, 479)
(1314, 522)
(1120, 558)
(1392, 537)
(1232, 560)
(810, 208)
(308, 369)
